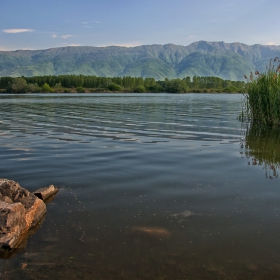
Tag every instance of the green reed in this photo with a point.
(262, 97)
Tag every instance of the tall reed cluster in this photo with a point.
(262, 100)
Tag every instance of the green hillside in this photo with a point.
(228, 61)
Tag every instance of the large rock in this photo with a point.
(12, 223)
(20, 211)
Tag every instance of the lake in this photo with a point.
(152, 186)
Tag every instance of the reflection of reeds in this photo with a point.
(262, 100)
(261, 144)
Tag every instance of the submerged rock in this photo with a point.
(20, 212)
(153, 231)
(182, 216)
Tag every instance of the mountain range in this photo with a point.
(225, 60)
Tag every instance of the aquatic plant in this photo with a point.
(262, 97)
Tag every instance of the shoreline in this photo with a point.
(117, 92)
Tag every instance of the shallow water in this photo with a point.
(152, 186)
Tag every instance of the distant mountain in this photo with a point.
(226, 60)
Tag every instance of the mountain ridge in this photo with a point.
(225, 60)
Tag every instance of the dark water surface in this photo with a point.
(152, 186)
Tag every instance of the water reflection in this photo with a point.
(261, 145)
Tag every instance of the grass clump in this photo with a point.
(262, 99)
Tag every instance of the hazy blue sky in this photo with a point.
(41, 24)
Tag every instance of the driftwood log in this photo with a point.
(20, 212)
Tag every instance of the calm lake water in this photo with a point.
(152, 186)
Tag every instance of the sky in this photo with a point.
(44, 24)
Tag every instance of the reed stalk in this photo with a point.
(262, 98)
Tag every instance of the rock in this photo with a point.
(6, 199)
(46, 193)
(20, 211)
(35, 208)
(152, 231)
(13, 190)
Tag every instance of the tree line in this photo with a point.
(82, 83)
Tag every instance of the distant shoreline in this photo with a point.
(92, 84)
(115, 92)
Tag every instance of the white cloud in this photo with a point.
(66, 36)
(128, 45)
(3, 49)
(18, 30)
(71, 45)
(62, 36)
(270, 43)
(88, 22)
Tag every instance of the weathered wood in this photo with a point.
(46, 192)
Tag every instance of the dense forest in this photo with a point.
(81, 83)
